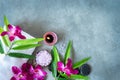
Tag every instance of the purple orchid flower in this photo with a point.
(66, 69)
(12, 32)
(38, 73)
(18, 75)
(28, 72)
(26, 67)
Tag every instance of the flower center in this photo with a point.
(20, 76)
(67, 70)
(11, 34)
(36, 70)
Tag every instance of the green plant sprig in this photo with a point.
(57, 74)
(17, 44)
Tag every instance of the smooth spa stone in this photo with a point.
(85, 69)
(92, 25)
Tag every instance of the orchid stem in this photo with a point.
(9, 49)
(56, 78)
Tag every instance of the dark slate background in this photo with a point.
(92, 25)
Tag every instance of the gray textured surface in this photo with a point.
(93, 25)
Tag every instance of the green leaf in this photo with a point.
(79, 77)
(81, 62)
(67, 53)
(5, 39)
(56, 54)
(22, 47)
(60, 78)
(63, 75)
(56, 58)
(1, 48)
(21, 55)
(28, 41)
(6, 22)
(54, 69)
(1, 29)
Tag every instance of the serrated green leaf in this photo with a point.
(67, 53)
(5, 39)
(1, 48)
(21, 55)
(6, 22)
(22, 47)
(28, 41)
(56, 58)
(79, 77)
(81, 62)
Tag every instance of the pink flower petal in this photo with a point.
(10, 27)
(40, 78)
(68, 73)
(29, 77)
(11, 38)
(15, 70)
(44, 73)
(13, 78)
(69, 63)
(74, 71)
(22, 79)
(67, 69)
(38, 72)
(21, 76)
(60, 66)
(26, 67)
(41, 71)
(4, 33)
(18, 29)
(38, 67)
(21, 36)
